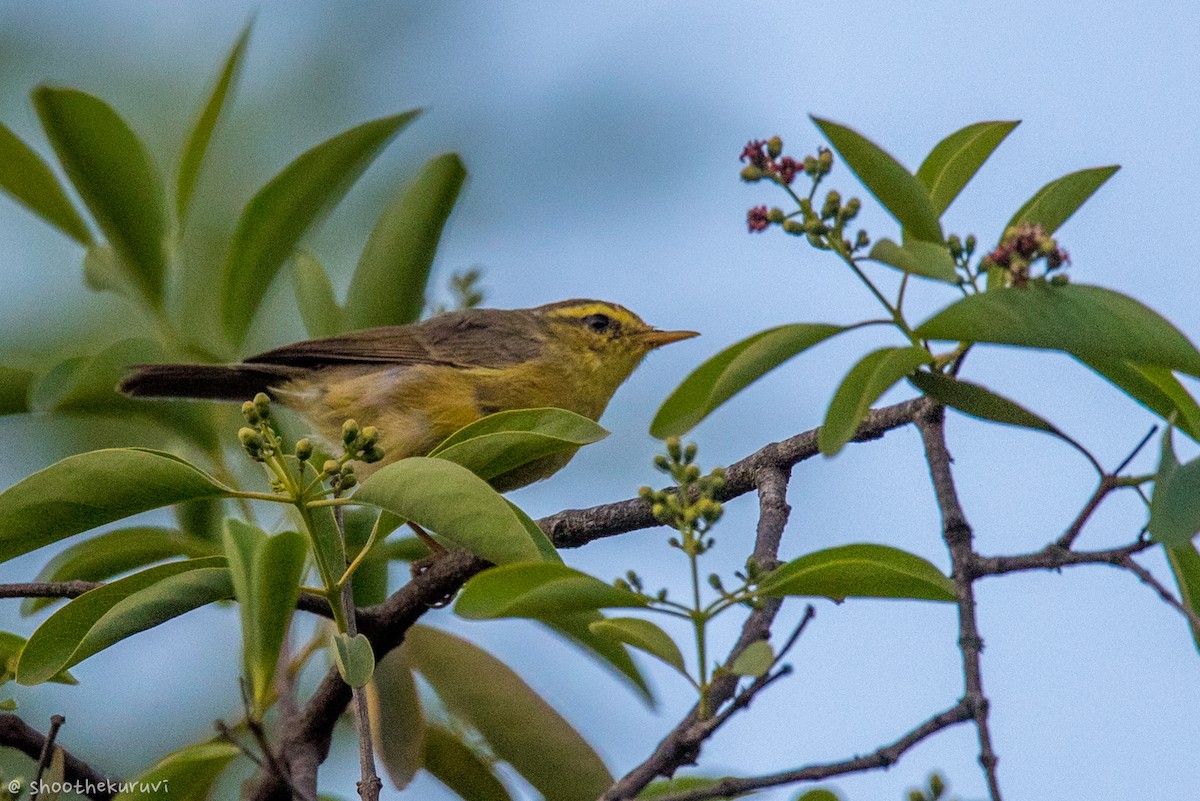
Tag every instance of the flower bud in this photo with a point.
(750, 174)
(330, 467)
(645, 493)
(971, 241)
(372, 454)
(659, 511)
(811, 165)
(689, 453)
(955, 245)
(851, 209)
(774, 147)
(776, 215)
(662, 463)
(370, 436)
(262, 402)
(714, 581)
(833, 204)
(793, 227)
(251, 413)
(350, 432)
(347, 481)
(825, 160)
(250, 438)
(304, 449)
(862, 240)
(691, 472)
(674, 448)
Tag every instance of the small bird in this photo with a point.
(420, 383)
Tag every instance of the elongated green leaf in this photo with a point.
(643, 635)
(978, 401)
(354, 658)
(503, 442)
(11, 646)
(1154, 387)
(862, 386)
(576, 627)
(860, 571)
(454, 503)
(1185, 565)
(388, 287)
(112, 553)
(189, 774)
(731, 371)
(318, 307)
(521, 728)
(113, 173)
(545, 547)
(397, 718)
(457, 766)
(91, 489)
(329, 549)
(896, 188)
(819, 794)
(1054, 203)
(197, 143)
(370, 580)
(1175, 503)
(955, 160)
(756, 660)
(1089, 322)
(29, 181)
(14, 390)
(681, 784)
(538, 590)
(916, 257)
(112, 612)
(278, 217)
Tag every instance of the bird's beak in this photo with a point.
(656, 339)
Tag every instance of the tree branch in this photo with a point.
(16, 733)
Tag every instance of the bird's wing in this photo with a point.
(481, 338)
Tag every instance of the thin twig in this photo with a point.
(56, 722)
(16, 733)
(1149, 580)
(1106, 485)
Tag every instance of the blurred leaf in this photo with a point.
(388, 287)
(112, 553)
(11, 646)
(318, 307)
(892, 185)
(1175, 503)
(643, 635)
(405, 549)
(682, 784)
(202, 521)
(863, 385)
(329, 546)
(14, 390)
(91, 489)
(354, 658)
(1185, 565)
(113, 173)
(977, 401)
(543, 544)
(30, 182)
(189, 774)
(520, 727)
(860, 571)
(956, 159)
(454, 503)
(502, 442)
(397, 719)
(1154, 387)
(278, 217)
(731, 371)
(197, 143)
(538, 590)
(266, 573)
(917, 257)
(576, 626)
(755, 661)
(1054, 203)
(458, 767)
(1088, 322)
(819, 794)
(109, 614)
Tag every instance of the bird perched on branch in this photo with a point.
(419, 383)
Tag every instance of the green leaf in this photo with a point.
(108, 614)
(1175, 503)
(1089, 322)
(860, 571)
(1185, 565)
(397, 719)
(682, 784)
(731, 371)
(14, 390)
(116, 178)
(896, 188)
(916, 257)
(370, 580)
(454, 503)
(1054, 203)
(755, 661)
(819, 794)
(266, 572)
(1154, 387)
(520, 727)
(189, 774)
(91, 489)
(197, 143)
(29, 181)
(457, 766)
(388, 286)
(576, 627)
(956, 159)
(543, 544)
(354, 658)
(318, 307)
(538, 590)
(870, 378)
(643, 635)
(277, 218)
(112, 553)
(11, 646)
(977, 401)
(503, 442)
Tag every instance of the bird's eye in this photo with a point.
(598, 322)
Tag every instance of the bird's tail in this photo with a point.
(237, 382)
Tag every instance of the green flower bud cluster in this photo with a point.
(691, 507)
(257, 436)
(361, 444)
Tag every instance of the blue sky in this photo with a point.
(602, 143)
